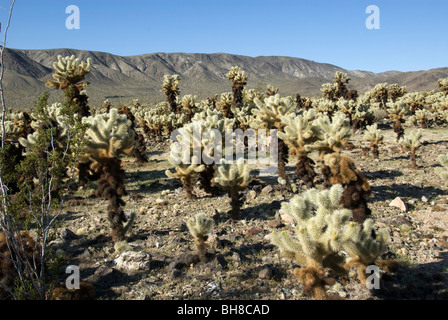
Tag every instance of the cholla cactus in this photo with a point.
(412, 142)
(140, 144)
(303, 103)
(322, 232)
(53, 119)
(347, 107)
(269, 112)
(362, 116)
(243, 117)
(380, 94)
(299, 134)
(109, 136)
(236, 75)
(239, 80)
(341, 79)
(200, 137)
(12, 132)
(69, 71)
(396, 112)
(189, 105)
(268, 115)
(250, 95)
(342, 170)
(334, 134)
(225, 104)
(422, 118)
(329, 91)
(325, 107)
(170, 87)
(413, 101)
(396, 91)
(270, 91)
(443, 85)
(68, 76)
(186, 173)
(200, 226)
(375, 137)
(362, 249)
(233, 177)
(443, 172)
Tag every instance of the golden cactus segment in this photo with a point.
(236, 75)
(323, 231)
(69, 70)
(233, 175)
(334, 134)
(269, 112)
(109, 135)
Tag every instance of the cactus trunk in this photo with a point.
(283, 152)
(312, 279)
(398, 129)
(206, 179)
(413, 159)
(235, 203)
(375, 151)
(305, 170)
(111, 187)
(187, 182)
(201, 247)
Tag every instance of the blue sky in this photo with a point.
(412, 34)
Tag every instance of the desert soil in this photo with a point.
(242, 262)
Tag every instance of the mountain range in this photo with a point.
(124, 78)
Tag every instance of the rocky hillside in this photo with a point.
(122, 79)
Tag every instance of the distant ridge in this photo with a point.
(123, 78)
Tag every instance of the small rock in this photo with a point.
(265, 273)
(442, 244)
(176, 273)
(268, 189)
(68, 235)
(236, 257)
(252, 195)
(281, 181)
(103, 271)
(253, 231)
(438, 208)
(132, 261)
(275, 223)
(213, 287)
(424, 199)
(82, 231)
(161, 202)
(286, 218)
(398, 203)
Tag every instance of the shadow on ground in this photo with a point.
(427, 281)
(405, 191)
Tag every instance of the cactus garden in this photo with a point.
(151, 207)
